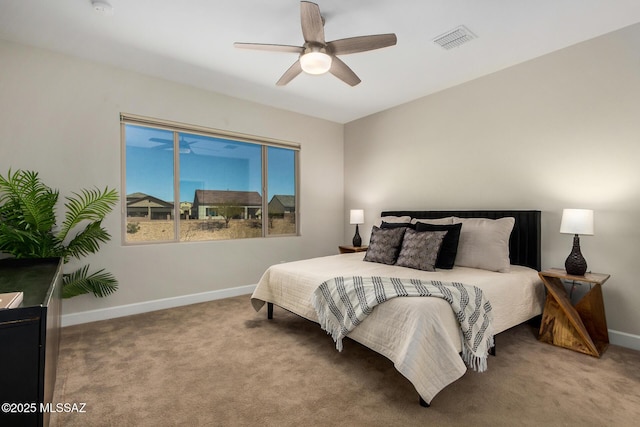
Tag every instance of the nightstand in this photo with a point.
(582, 327)
(348, 249)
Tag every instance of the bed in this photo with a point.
(421, 336)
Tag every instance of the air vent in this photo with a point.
(454, 38)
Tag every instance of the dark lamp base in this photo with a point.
(357, 240)
(575, 264)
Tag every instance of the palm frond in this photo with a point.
(19, 243)
(89, 205)
(81, 282)
(27, 219)
(26, 202)
(88, 241)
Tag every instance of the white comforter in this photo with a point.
(419, 335)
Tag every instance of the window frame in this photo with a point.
(177, 128)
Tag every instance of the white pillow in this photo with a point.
(438, 221)
(484, 243)
(396, 219)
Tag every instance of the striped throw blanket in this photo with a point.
(342, 303)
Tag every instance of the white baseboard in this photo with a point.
(624, 339)
(146, 306)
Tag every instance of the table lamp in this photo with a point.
(356, 217)
(576, 222)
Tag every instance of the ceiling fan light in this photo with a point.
(315, 62)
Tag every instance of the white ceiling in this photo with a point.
(191, 41)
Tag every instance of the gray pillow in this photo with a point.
(384, 245)
(484, 243)
(420, 249)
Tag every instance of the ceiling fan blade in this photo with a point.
(343, 72)
(162, 140)
(311, 20)
(362, 43)
(269, 47)
(289, 75)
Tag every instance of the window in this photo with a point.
(227, 185)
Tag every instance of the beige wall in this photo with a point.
(60, 116)
(560, 131)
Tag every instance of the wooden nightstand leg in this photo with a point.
(555, 327)
(561, 324)
(591, 310)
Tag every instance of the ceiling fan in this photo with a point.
(187, 147)
(167, 144)
(318, 56)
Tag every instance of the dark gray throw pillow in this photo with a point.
(449, 249)
(397, 225)
(384, 245)
(420, 249)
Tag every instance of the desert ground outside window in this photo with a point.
(187, 183)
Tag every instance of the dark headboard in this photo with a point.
(524, 245)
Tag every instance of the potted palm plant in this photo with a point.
(28, 228)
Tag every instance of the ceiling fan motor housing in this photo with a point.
(315, 59)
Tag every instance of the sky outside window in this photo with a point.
(206, 163)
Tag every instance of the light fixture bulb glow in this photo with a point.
(315, 62)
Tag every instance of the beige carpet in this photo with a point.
(222, 364)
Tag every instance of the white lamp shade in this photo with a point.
(357, 216)
(577, 221)
(315, 62)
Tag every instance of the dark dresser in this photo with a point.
(29, 339)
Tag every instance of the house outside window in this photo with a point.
(227, 185)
